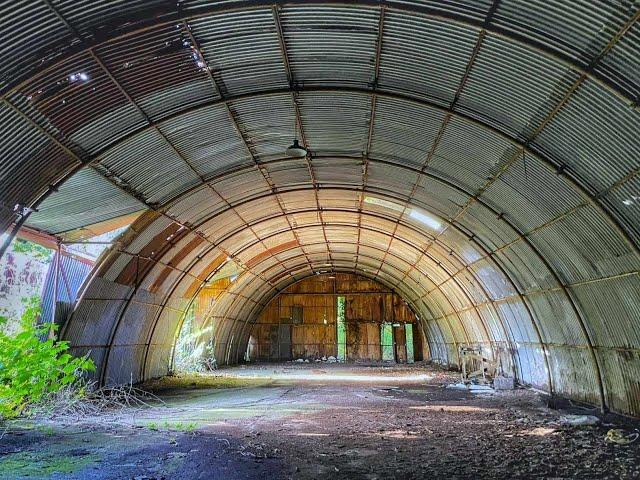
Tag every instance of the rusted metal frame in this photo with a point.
(547, 162)
(372, 117)
(549, 118)
(436, 143)
(251, 316)
(521, 236)
(203, 181)
(313, 226)
(593, 200)
(437, 306)
(294, 98)
(234, 121)
(275, 233)
(223, 239)
(425, 11)
(188, 163)
(525, 304)
(192, 299)
(229, 334)
(230, 235)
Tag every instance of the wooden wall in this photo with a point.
(313, 335)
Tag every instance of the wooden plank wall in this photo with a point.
(368, 304)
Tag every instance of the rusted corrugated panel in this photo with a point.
(573, 373)
(595, 252)
(149, 165)
(622, 367)
(517, 320)
(123, 365)
(525, 268)
(531, 195)
(623, 61)
(613, 309)
(590, 26)
(243, 49)
(415, 55)
(208, 140)
(331, 44)
(67, 209)
(528, 83)
(135, 323)
(530, 365)
(556, 319)
(404, 132)
(96, 314)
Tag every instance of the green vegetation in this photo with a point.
(32, 369)
(196, 381)
(386, 338)
(36, 251)
(39, 464)
(342, 330)
(194, 350)
(173, 426)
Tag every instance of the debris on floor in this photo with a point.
(399, 423)
(620, 437)
(504, 383)
(579, 420)
(472, 387)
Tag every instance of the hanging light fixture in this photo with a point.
(296, 150)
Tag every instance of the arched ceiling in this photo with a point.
(481, 158)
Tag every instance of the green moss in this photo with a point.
(196, 381)
(41, 464)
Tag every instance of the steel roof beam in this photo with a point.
(173, 16)
(296, 107)
(236, 125)
(372, 119)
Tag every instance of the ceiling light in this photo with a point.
(426, 219)
(384, 203)
(295, 150)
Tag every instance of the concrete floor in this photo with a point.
(309, 421)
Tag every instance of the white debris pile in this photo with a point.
(473, 388)
(579, 420)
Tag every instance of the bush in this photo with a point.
(31, 369)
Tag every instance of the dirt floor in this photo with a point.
(312, 421)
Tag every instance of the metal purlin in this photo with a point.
(172, 17)
(621, 34)
(233, 233)
(202, 255)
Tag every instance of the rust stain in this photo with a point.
(272, 251)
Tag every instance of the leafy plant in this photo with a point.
(37, 251)
(31, 369)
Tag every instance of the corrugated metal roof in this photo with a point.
(481, 157)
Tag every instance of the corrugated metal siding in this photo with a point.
(71, 276)
(531, 53)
